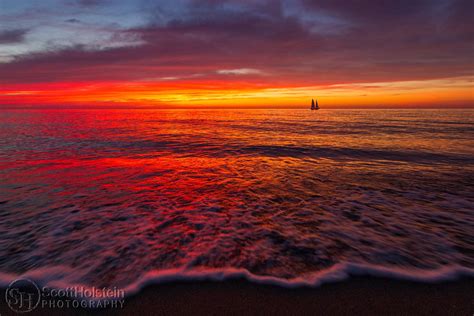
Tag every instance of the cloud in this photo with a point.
(240, 71)
(90, 2)
(12, 36)
(298, 41)
(73, 20)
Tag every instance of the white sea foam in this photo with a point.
(63, 277)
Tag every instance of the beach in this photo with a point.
(144, 201)
(360, 296)
(185, 157)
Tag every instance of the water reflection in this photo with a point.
(113, 194)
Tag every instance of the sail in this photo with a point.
(312, 104)
(317, 106)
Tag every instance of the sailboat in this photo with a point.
(314, 106)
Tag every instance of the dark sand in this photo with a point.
(359, 296)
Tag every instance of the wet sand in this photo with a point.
(358, 296)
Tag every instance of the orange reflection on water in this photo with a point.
(283, 193)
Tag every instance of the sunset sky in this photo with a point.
(184, 53)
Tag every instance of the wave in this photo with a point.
(63, 277)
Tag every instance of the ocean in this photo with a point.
(122, 198)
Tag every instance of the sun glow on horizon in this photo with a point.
(175, 93)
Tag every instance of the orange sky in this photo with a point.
(452, 92)
(229, 53)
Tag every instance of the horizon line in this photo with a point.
(340, 107)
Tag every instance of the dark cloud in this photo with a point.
(12, 36)
(372, 10)
(90, 2)
(381, 41)
(73, 20)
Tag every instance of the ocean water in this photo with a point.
(125, 197)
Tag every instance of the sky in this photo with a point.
(248, 53)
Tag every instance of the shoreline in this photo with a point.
(360, 295)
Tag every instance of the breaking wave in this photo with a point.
(63, 277)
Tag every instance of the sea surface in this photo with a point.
(127, 197)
